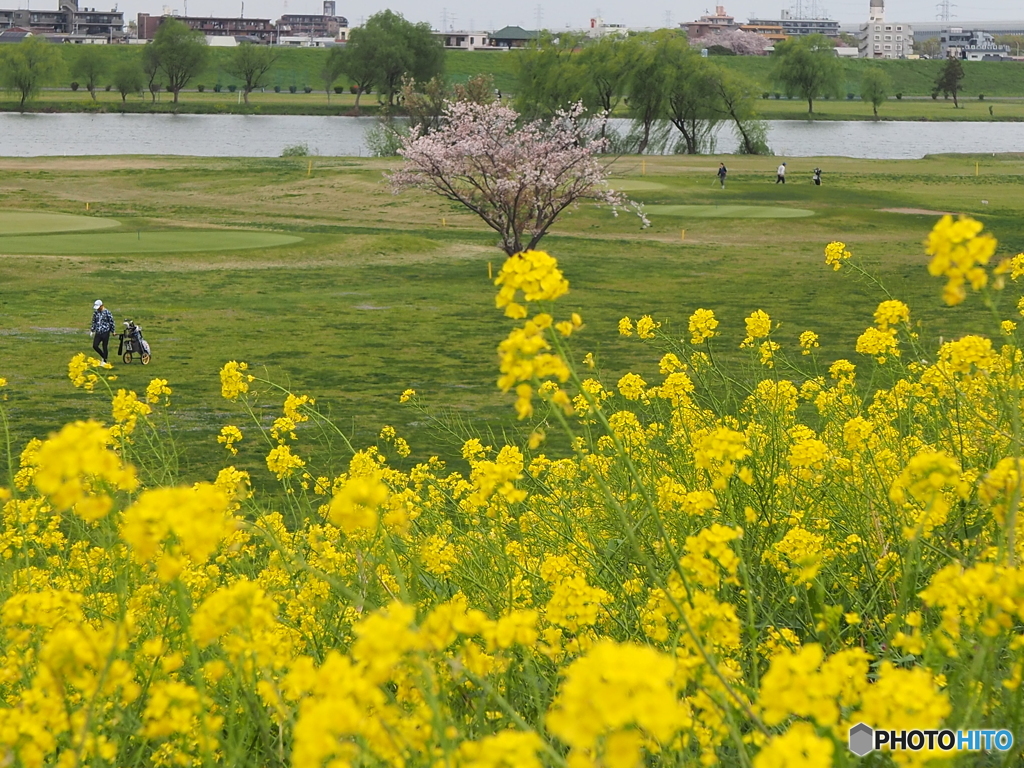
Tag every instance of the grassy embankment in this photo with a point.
(379, 296)
(300, 68)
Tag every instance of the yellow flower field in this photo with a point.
(707, 578)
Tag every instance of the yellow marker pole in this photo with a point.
(682, 234)
(87, 206)
(443, 222)
(975, 167)
(490, 274)
(309, 171)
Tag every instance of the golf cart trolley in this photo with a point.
(131, 343)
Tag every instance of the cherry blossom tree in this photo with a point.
(517, 178)
(739, 41)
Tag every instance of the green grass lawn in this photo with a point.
(33, 222)
(727, 211)
(971, 109)
(148, 241)
(300, 68)
(385, 293)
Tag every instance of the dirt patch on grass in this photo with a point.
(917, 211)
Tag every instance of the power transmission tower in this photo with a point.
(668, 19)
(944, 14)
(539, 16)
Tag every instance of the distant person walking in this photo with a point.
(781, 177)
(102, 327)
(721, 174)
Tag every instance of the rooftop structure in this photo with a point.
(68, 22)
(260, 30)
(971, 45)
(710, 24)
(464, 40)
(599, 28)
(925, 30)
(773, 32)
(881, 39)
(325, 25)
(512, 37)
(794, 26)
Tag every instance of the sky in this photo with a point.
(560, 14)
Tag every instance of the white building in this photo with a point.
(464, 40)
(881, 39)
(971, 45)
(598, 28)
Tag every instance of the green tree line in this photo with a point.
(380, 56)
(676, 99)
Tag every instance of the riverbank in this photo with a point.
(315, 103)
(985, 85)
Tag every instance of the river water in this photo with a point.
(36, 135)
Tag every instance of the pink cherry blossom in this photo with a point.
(517, 177)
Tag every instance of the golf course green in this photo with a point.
(158, 241)
(728, 211)
(35, 222)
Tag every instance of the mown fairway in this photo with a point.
(385, 293)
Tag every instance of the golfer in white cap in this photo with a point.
(102, 327)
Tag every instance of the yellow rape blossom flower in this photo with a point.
(767, 351)
(799, 747)
(569, 327)
(631, 386)
(80, 371)
(926, 489)
(1008, 327)
(535, 274)
(702, 326)
(127, 408)
(612, 690)
(157, 389)
(890, 313)
(808, 342)
(625, 327)
(836, 254)
(959, 253)
(407, 395)
(505, 749)
(878, 343)
(759, 325)
(72, 465)
(198, 519)
(234, 381)
(229, 435)
(283, 463)
(646, 326)
(719, 451)
(293, 405)
(355, 505)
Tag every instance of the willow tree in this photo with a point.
(251, 64)
(26, 67)
(807, 66)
